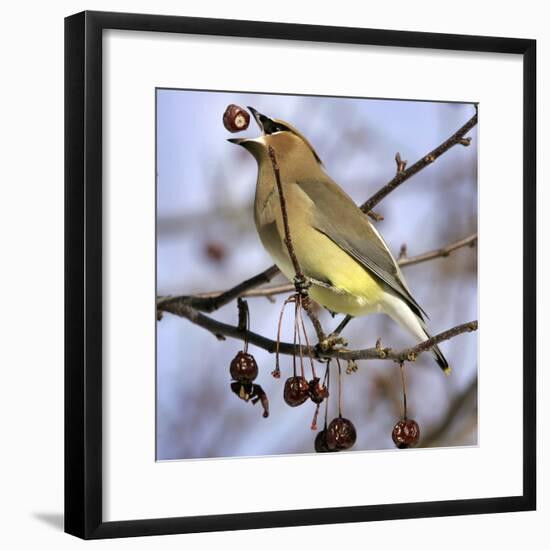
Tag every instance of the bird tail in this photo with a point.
(440, 358)
(400, 312)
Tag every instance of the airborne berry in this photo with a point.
(296, 391)
(243, 367)
(405, 434)
(235, 119)
(341, 434)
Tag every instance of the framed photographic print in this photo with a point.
(287, 300)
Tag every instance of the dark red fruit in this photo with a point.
(341, 434)
(317, 391)
(296, 391)
(243, 367)
(405, 434)
(321, 445)
(235, 118)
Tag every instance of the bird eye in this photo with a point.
(271, 127)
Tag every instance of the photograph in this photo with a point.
(316, 274)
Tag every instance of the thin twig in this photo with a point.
(404, 175)
(306, 304)
(376, 216)
(212, 303)
(412, 353)
(287, 240)
(300, 281)
(444, 252)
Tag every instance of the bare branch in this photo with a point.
(412, 353)
(444, 252)
(211, 303)
(404, 175)
(222, 329)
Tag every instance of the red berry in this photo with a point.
(405, 434)
(341, 434)
(317, 391)
(296, 391)
(243, 367)
(321, 445)
(235, 118)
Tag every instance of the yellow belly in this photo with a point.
(356, 291)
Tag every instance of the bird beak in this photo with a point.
(264, 122)
(257, 117)
(247, 143)
(237, 141)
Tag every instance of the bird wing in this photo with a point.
(341, 220)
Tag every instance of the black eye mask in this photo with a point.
(270, 126)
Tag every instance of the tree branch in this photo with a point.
(403, 175)
(444, 252)
(213, 302)
(220, 329)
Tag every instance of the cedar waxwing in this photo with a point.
(350, 265)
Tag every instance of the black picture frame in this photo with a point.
(83, 273)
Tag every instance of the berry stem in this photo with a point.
(314, 375)
(404, 385)
(339, 388)
(244, 320)
(277, 372)
(327, 382)
(296, 337)
(299, 324)
(315, 415)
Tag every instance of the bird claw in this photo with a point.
(301, 285)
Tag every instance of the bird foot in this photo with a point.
(301, 284)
